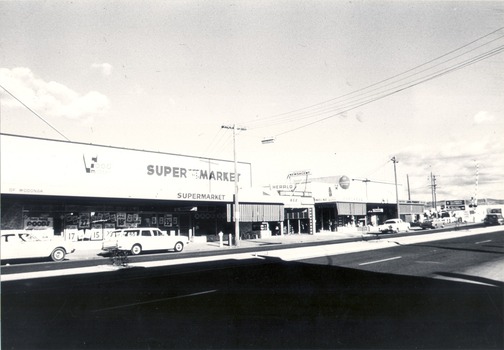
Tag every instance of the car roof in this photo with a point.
(137, 228)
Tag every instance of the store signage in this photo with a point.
(284, 187)
(344, 182)
(169, 171)
(376, 210)
(201, 196)
(38, 223)
(298, 173)
(92, 166)
(49, 167)
(455, 205)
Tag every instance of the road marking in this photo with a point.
(488, 240)
(379, 261)
(155, 301)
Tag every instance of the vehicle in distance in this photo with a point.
(432, 224)
(24, 245)
(137, 240)
(394, 226)
(493, 219)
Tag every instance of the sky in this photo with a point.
(341, 87)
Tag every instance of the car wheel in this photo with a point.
(136, 249)
(58, 254)
(179, 246)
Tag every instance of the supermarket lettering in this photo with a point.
(199, 174)
(202, 196)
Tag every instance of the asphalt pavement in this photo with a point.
(272, 299)
(286, 247)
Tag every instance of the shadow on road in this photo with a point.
(251, 304)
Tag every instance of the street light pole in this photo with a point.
(395, 161)
(236, 202)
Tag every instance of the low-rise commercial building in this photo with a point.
(83, 191)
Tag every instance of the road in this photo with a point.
(376, 299)
(459, 258)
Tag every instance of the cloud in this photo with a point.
(456, 167)
(105, 68)
(50, 98)
(483, 117)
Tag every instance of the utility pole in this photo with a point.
(433, 190)
(236, 202)
(366, 180)
(409, 192)
(395, 161)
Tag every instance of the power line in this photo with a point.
(359, 97)
(403, 87)
(387, 79)
(329, 108)
(31, 110)
(367, 99)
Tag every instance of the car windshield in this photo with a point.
(390, 222)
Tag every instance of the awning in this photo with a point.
(351, 208)
(292, 214)
(257, 212)
(411, 208)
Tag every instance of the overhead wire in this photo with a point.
(35, 113)
(359, 97)
(215, 141)
(225, 143)
(384, 80)
(401, 88)
(316, 112)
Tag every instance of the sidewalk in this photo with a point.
(88, 250)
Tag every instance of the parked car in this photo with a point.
(493, 219)
(137, 240)
(394, 226)
(25, 245)
(432, 224)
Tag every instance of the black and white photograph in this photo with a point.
(238, 174)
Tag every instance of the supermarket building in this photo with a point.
(83, 192)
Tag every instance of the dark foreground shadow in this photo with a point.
(251, 304)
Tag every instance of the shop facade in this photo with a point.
(342, 202)
(299, 205)
(83, 191)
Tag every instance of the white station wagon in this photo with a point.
(137, 240)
